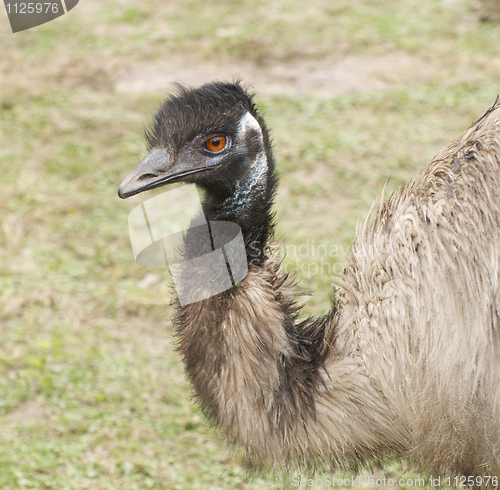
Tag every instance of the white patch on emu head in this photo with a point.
(254, 181)
(258, 167)
(248, 121)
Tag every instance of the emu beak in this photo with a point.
(157, 169)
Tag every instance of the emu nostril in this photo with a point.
(147, 176)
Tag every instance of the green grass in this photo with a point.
(92, 394)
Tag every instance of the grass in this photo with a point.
(92, 394)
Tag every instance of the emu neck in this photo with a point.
(280, 388)
(273, 383)
(254, 372)
(247, 203)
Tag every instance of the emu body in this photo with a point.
(408, 360)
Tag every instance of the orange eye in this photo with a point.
(216, 143)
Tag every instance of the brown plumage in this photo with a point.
(408, 360)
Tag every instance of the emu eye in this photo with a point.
(216, 144)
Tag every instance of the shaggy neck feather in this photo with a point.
(261, 374)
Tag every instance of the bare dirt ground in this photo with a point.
(328, 77)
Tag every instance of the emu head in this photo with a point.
(211, 136)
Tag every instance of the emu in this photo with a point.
(407, 361)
